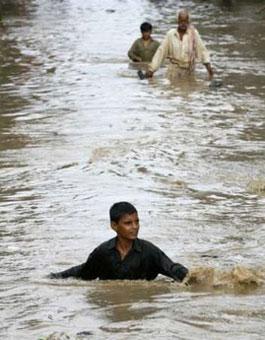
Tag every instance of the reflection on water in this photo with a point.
(79, 130)
(124, 301)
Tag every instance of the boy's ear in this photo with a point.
(113, 225)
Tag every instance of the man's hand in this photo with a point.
(149, 74)
(137, 59)
(210, 74)
(210, 70)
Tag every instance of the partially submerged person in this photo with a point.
(183, 47)
(144, 48)
(125, 257)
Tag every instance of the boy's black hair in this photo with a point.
(119, 209)
(146, 27)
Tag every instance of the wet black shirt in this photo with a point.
(143, 262)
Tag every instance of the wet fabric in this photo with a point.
(143, 262)
(175, 73)
(182, 53)
(143, 51)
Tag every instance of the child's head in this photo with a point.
(119, 209)
(146, 30)
(124, 221)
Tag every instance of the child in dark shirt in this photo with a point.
(125, 257)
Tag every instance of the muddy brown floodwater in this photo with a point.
(79, 131)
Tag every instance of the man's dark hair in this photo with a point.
(146, 27)
(119, 209)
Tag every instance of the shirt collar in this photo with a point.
(136, 244)
(151, 39)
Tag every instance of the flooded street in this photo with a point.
(79, 131)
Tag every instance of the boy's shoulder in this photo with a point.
(138, 41)
(109, 244)
(155, 42)
(144, 244)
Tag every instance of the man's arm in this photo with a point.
(159, 57)
(168, 268)
(86, 271)
(209, 70)
(203, 54)
(132, 53)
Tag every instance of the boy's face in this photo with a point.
(127, 227)
(146, 35)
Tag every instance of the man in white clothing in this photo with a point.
(183, 47)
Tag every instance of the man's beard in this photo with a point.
(183, 28)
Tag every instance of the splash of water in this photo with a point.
(238, 279)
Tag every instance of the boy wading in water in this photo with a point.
(125, 257)
(144, 48)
